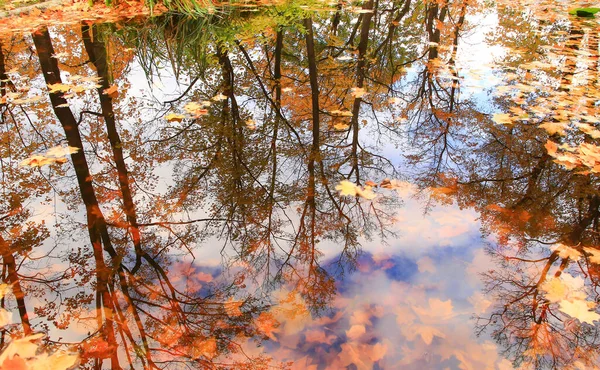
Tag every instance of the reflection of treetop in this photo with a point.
(258, 135)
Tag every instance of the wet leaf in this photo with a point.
(174, 117)
(565, 251)
(580, 310)
(502, 119)
(112, 91)
(340, 126)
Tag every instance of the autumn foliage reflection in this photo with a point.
(171, 186)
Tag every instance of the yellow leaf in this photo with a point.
(594, 254)
(357, 92)
(341, 126)
(566, 287)
(554, 127)
(502, 119)
(346, 187)
(54, 88)
(174, 117)
(580, 310)
(341, 113)
(5, 317)
(564, 251)
(23, 347)
(219, 97)
(57, 361)
(61, 151)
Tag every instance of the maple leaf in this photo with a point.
(358, 92)
(4, 288)
(428, 332)
(267, 325)
(502, 118)
(23, 347)
(59, 360)
(346, 187)
(112, 91)
(219, 97)
(341, 113)
(594, 254)
(566, 287)
(251, 124)
(355, 332)
(551, 148)
(36, 160)
(61, 151)
(580, 310)
(204, 348)
(589, 129)
(565, 251)
(555, 127)
(174, 117)
(232, 308)
(366, 193)
(195, 109)
(58, 87)
(568, 160)
(341, 126)
(589, 154)
(438, 311)
(362, 11)
(5, 317)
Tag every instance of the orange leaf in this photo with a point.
(112, 91)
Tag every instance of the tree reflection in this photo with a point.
(261, 184)
(252, 148)
(545, 219)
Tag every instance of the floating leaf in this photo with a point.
(554, 127)
(232, 307)
(584, 12)
(594, 254)
(344, 113)
(174, 117)
(357, 92)
(580, 310)
(347, 188)
(340, 126)
(112, 91)
(565, 251)
(502, 119)
(58, 87)
(566, 287)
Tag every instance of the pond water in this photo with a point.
(374, 185)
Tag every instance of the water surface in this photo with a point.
(375, 185)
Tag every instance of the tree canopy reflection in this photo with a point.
(272, 111)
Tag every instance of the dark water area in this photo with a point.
(374, 185)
